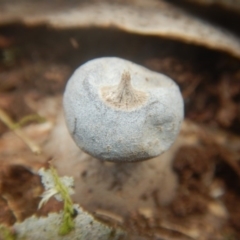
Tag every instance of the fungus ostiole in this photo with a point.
(119, 111)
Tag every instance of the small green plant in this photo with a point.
(6, 233)
(68, 210)
(61, 188)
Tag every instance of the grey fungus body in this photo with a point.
(119, 111)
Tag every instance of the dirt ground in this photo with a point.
(35, 63)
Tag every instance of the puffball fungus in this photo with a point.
(119, 111)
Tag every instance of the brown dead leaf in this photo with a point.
(152, 17)
(231, 4)
(21, 189)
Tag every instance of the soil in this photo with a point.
(37, 61)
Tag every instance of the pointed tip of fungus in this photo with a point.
(123, 96)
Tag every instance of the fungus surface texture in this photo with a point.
(119, 111)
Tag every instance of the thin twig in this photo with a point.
(12, 126)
